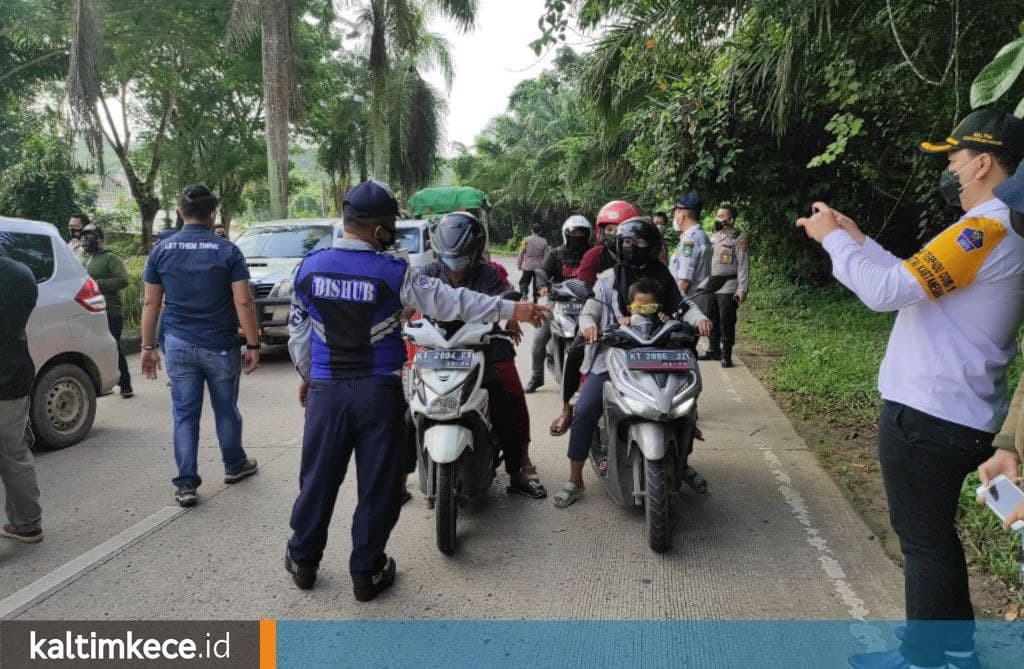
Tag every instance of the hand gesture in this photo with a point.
(821, 223)
(704, 328)
(150, 363)
(590, 333)
(530, 313)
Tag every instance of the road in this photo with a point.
(774, 539)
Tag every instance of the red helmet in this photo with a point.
(615, 212)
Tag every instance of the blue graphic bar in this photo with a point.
(647, 644)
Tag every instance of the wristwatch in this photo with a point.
(149, 347)
(252, 347)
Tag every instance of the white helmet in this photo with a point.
(577, 222)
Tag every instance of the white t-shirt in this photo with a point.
(960, 302)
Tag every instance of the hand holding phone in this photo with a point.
(1003, 497)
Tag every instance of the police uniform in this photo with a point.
(692, 260)
(345, 339)
(730, 268)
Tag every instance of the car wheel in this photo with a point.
(63, 406)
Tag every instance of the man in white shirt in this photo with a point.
(943, 379)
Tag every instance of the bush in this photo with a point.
(132, 295)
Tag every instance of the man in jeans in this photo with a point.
(204, 283)
(107, 269)
(17, 467)
(943, 379)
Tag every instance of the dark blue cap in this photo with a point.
(689, 201)
(371, 198)
(1011, 191)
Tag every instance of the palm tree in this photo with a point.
(397, 36)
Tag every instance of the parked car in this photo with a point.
(414, 240)
(272, 250)
(74, 354)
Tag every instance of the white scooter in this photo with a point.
(647, 429)
(566, 300)
(456, 452)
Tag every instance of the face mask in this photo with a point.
(642, 325)
(719, 224)
(949, 184)
(636, 256)
(456, 264)
(91, 244)
(608, 238)
(576, 243)
(76, 232)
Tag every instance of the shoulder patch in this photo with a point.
(952, 260)
(425, 282)
(687, 249)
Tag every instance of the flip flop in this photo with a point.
(569, 494)
(560, 426)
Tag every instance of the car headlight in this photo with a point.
(285, 288)
(443, 406)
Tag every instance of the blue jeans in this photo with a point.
(586, 416)
(188, 367)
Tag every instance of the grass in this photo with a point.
(829, 347)
(131, 298)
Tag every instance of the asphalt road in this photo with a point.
(774, 539)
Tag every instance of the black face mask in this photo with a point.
(90, 244)
(719, 224)
(75, 232)
(576, 244)
(636, 256)
(949, 186)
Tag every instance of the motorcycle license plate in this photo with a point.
(659, 361)
(449, 359)
(572, 308)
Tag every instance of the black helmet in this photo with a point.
(637, 242)
(459, 240)
(93, 229)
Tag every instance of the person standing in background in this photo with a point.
(76, 224)
(669, 237)
(531, 255)
(108, 270)
(727, 285)
(690, 264)
(220, 231)
(17, 372)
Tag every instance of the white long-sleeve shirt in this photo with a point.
(960, 301)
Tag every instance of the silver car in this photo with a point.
(272, 251)
(414, 242)
(68, 336)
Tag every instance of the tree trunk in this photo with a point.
(277, 54)
(148, 209)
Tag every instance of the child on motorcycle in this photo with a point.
(638, 245)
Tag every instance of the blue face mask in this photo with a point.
(456, 264)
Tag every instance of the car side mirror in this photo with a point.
(426, 245)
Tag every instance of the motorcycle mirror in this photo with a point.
(513, 295)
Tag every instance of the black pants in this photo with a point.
(504, 423)
(924, 463)
(571, 373)
(722, 309)
(527, 279)
(361, 416)
(116, 325)
(540, 344)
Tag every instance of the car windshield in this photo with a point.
(284, 241)
(408, 239)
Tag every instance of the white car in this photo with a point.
(68, 336)
(414, 240)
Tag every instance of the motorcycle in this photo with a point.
(649, 420)
(567, 300)
(456, 452)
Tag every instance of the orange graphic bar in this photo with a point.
(268, 644)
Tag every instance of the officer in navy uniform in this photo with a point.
(346, 343)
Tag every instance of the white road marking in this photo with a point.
(869, 635)
(61, 576)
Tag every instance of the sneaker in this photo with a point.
(31, 537)
(956, 661)
(367, 587)
(533, 385)
(186, 495)
(248, 469)
(303, 576)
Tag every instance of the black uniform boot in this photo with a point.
(711, 354)
(535, 382)
(727, 357)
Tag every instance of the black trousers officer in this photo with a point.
(364, 416)
(722, 308)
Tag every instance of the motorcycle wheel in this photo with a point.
(446, 507)
(656, 505)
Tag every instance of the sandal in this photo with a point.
(695, 480)
(569, 494)
(561, 425)
(527, 487)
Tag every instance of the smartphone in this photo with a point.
(1002, 496)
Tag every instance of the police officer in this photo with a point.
(690, 264)
(943, 379)
(346, 344)
(727, 285)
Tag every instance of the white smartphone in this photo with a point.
(1002, 496)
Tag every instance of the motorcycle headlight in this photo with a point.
(285, 288)
(443, 406)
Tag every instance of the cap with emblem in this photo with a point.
(983, 130)
(690, 201)
(371, 198)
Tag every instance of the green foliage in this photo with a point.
(131, 298)
(998, 76)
